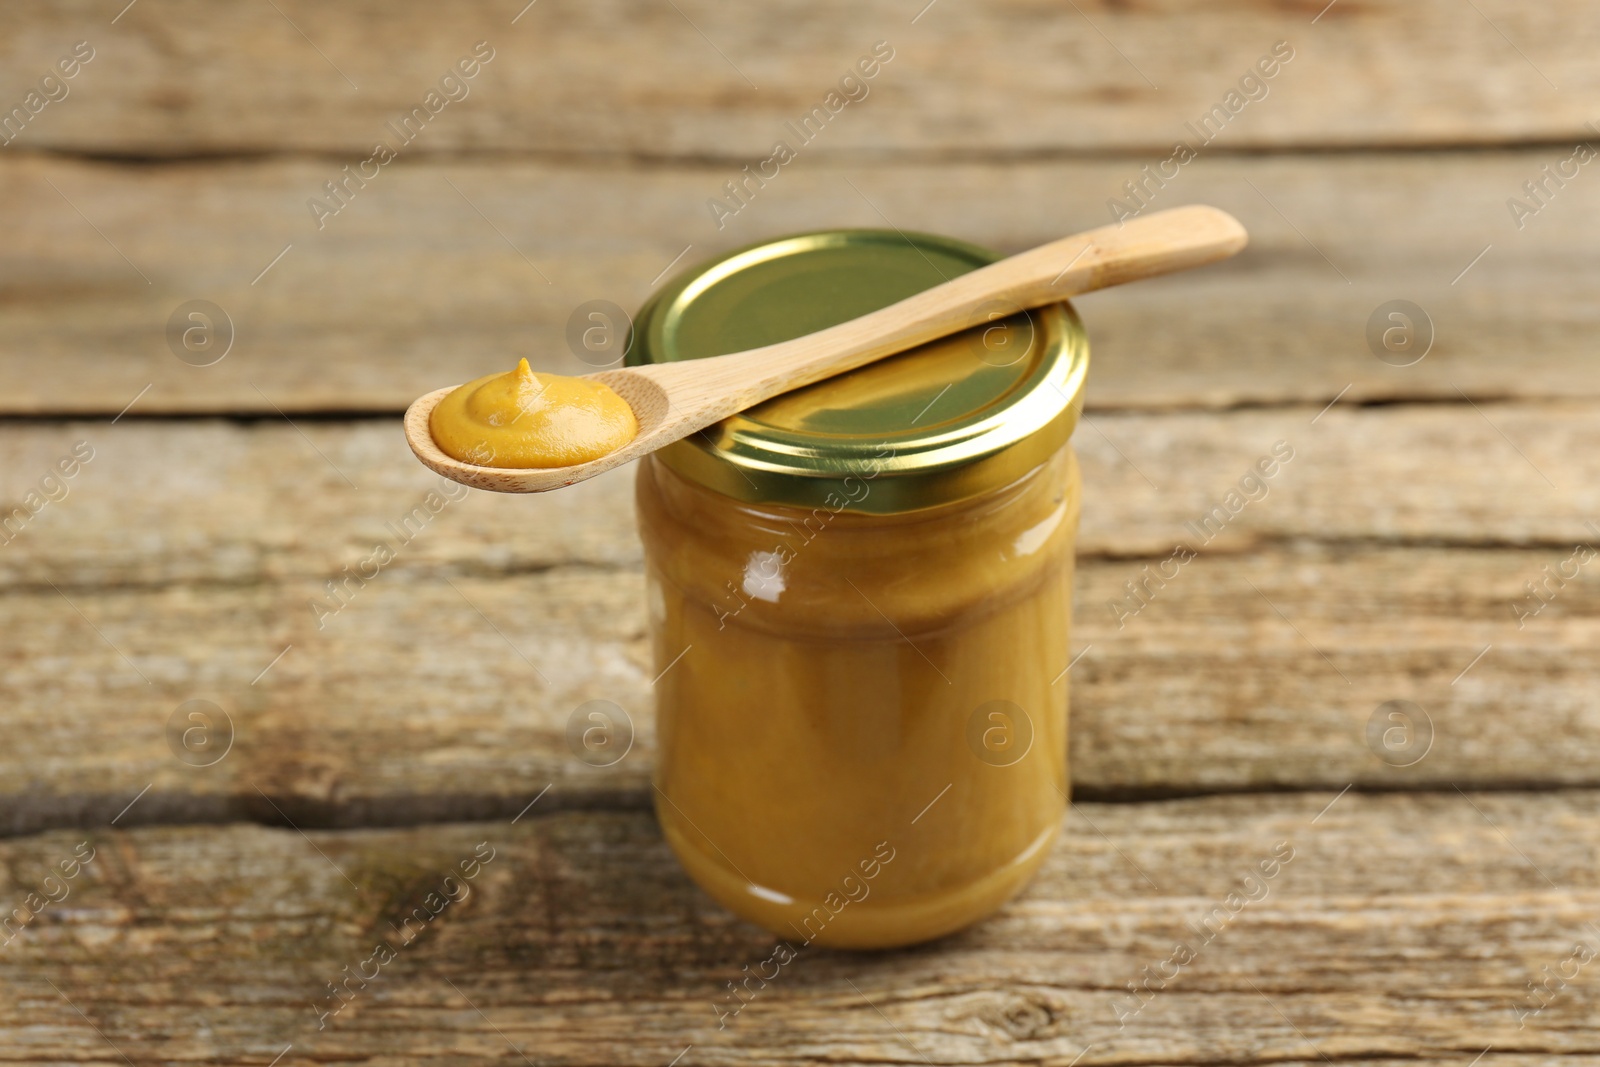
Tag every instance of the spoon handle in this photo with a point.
(1158, 243)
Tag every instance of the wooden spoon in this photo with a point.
(673, 400)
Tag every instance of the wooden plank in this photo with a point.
(412, 707)
(444, 271)
(1372, 571)
(1400, 929)
(212, 502)
(642, 80)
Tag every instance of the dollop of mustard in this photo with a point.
(524, 419)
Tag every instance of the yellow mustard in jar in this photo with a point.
(525, 419)
(859, 599)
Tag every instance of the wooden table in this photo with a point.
(1439, 901)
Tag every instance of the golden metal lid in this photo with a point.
(949, 419)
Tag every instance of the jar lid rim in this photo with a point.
(944, 421)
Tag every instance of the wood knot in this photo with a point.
(1028, 1016)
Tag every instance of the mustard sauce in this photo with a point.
(523, 419)
(837, 777)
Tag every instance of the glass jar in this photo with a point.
(859, 596)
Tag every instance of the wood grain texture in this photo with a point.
(1382, 560)
(1388, 560)
(581, 942)
(211, 502)
(411, 706)
(441, 272)
(629, 77)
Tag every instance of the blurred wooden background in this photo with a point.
(369, 755)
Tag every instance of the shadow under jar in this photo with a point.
(859, 596)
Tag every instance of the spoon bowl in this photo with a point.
(670, 401)
(651, 406)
